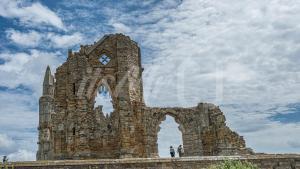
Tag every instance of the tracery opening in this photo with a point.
(104, 59)
(168, 135)
(104, 99)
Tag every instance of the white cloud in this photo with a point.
(22, 140)
(243, 53)
(33, 14)
(105, 101)
(25, 109)
(65, 41)
(263, 135)
(33, 39)
(9, 148)
(247, 49)
(284, 135)
(22, 75)
(14, 62)
(29, 39)
(26, 68)
(6, 143)
(121, 28)
(22, 155)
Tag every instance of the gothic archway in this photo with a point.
(103, 95)
(169, 134)
(103, 100)
(155, 117)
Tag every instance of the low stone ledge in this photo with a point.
(267, 161)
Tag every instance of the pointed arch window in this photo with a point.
(104, 99)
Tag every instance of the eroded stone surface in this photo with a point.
(70, 127)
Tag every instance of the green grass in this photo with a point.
(234, 164)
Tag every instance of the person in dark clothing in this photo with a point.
(180, 150)
(172, 151)
(5, 159)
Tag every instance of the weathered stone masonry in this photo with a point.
(282, 161)
(70, 127)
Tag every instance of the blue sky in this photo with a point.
(241, 55)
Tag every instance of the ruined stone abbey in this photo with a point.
(71, 127)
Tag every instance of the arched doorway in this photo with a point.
(168, 135)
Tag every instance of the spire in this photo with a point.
(48, 85)
(48, 79)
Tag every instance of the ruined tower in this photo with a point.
(72, 127)
(46, 105)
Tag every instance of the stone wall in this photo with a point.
(203, 128)
(262, 161)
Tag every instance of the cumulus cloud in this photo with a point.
(37, 39)
(120, 27)
(7, 145)
(65, 41)
(22, 155)
(26, 68)
(263, 140)
(29, 39)
(32, 14)
(9, 148)
(262, 134)
(212, 45)
(204, 52)
(21, 85)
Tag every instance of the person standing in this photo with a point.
(5, 159)
(172, 151)
(180, 150)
